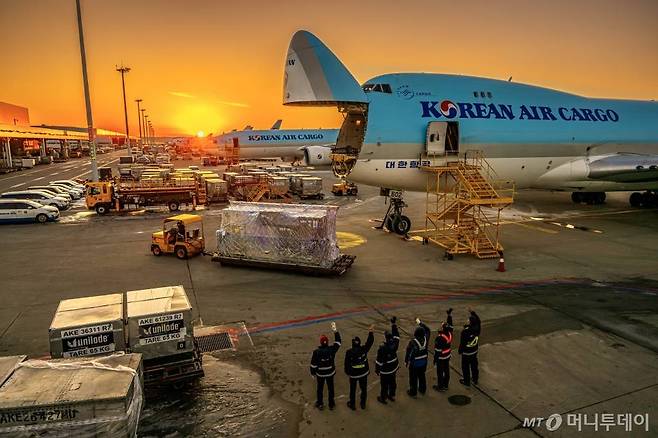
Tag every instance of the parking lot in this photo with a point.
(570, 328)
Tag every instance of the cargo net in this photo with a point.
(116, 425)
(278, 233)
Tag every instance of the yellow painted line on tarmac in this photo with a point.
(349, 240)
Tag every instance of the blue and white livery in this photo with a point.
(538, 137)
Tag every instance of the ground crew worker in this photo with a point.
(468, 348)
(323, 367)
(442, 351)
(386, 364)
(416, 359)
(357, 368)
(181, 230)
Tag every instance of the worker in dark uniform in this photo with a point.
(468, 348)
(357, 368)
(323, 367)
(181, 230)
(386, 364)
(442, 351)
(416, 359)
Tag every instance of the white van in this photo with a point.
(39, 196)
(13, 211)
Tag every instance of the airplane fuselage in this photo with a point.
(288, 143)
(538, 137)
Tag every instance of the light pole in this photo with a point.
(123, 70)
(85, 82)
(143, 115)
(139, 120)
(146, 122)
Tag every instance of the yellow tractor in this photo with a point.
(181, 235)
(344, 188)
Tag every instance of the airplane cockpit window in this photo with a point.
(475, 94)
(377, 88)
(482, 94)
(489, 94)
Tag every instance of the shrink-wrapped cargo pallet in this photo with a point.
(93, 397)
(279, 233)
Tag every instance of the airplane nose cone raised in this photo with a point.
(314, 76)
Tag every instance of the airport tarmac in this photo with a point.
(569, 329)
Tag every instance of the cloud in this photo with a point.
(181, 94)
(238, 104)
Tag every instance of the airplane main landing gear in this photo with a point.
(394, 220)
(590, 198)
(647, 199)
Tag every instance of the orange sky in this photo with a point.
(215, 65)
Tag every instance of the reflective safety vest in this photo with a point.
(445, 352)
(359, 366)
(471, 347)
(387, 359)
(419, 357)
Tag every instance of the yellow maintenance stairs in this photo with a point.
(464, 202)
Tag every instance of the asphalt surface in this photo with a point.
(569, 329)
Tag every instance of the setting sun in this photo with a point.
(200, 134)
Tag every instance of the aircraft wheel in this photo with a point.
(402, 225)
(635, 199)
(577, 197)
(648, 200)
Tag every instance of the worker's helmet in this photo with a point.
(324, 340)
(356, 341)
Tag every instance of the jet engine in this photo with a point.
(317, 155)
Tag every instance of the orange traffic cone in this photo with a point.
(501, 263)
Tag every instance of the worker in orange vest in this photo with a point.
(442, 350)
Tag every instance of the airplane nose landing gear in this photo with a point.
(394, 220)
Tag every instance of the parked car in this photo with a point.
(74, 192)
(22, 210)
(41, 197)
(69, 182)
(56, 191)
(143, 159)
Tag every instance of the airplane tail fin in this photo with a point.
(314, 76)
(277, 124)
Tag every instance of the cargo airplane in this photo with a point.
(312, 145)
(538, 137)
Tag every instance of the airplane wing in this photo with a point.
(625, 168)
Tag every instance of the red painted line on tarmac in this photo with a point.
(312, 319)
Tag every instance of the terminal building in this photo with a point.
(23, 145)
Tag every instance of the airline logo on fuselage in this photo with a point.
(285, 137)
(464, 110)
